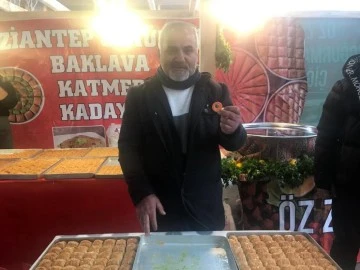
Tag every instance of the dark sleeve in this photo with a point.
(236, 140)
(328, 141)
(130, 149)
(11, 99)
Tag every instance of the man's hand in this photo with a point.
(146, 212)
(229, 119)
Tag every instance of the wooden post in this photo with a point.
(207, 38)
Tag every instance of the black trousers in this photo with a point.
(346, 224)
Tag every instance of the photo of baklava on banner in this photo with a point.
(30, 92)
(267, 80)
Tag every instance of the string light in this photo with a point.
(116, 25)
(252, 15)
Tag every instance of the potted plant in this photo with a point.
(261, 182)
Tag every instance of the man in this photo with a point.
(170, 136)
(337, 161)
(8, 100)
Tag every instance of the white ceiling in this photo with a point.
(88, 5)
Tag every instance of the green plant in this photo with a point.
(305, 164)
(293, 174)
(290, 173)
(254, 169)
(223, 53)
(230, 171)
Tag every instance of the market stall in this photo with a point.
(64, 105)
(47, 192)
(33, 209)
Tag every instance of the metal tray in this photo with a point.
(280, 130)
(175, 252)
(81, 237)
(110, 161)
(49, 174)
(308, 237)
(19, 177)
(103, 152)
(26, 176)
(63, 153)
(18, 153)
(182, 250)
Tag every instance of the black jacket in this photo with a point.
(337, 150)
(151, 157)
(10, 100)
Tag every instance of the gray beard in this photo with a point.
(179, 77)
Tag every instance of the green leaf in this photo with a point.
(223, 55)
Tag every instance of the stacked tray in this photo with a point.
(27, 168)
(75, 163)
(103, 152)
(110, 169)
(63, 153)
(186, 250)
(18, 153)
(74, 168)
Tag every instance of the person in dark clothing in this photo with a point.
(170, 136)
(337, 161)
(8, 99)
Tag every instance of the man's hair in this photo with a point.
(177, 25)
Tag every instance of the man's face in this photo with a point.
(179, 54)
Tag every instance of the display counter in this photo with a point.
(76, 201)
(32, 212)
(217, 250)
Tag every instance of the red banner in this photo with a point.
(72, 87)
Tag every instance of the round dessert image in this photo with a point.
(287, 103)
(30, 92)
(248, 84)
(280, 47)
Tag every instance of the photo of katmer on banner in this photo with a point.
(79, 137)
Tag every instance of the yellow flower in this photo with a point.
(293, 161)
(262, 161)
(239, 164)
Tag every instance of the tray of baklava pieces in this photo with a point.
(74, 168)
(103, 152)
(26, 168)
(18, 153)
(5, 162)
(98, 252)
(278, 250)
(63, 153)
